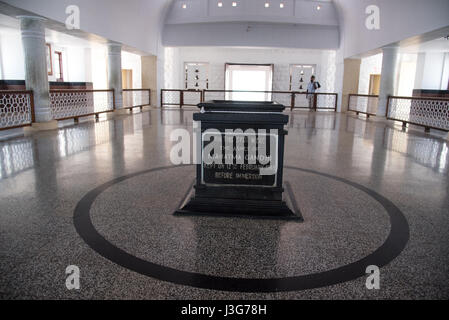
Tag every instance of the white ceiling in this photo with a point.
(136, 24)
(10, 25)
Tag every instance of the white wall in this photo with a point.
(281, 58)
(12, 66)
(100, 67)
(172, 70)
(445, 74)
(430, 71)
(133, 62)
(406, 74)
(241, 34)
(79, 66)
(369, 65)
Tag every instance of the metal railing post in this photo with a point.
(181, 98)
(349, 100)
(33, 115)
(387, 109)
(292, 100)
(162, 98)
(336, 102)
(113, 99)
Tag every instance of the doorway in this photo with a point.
(127, 83)
(249, 77)
(127, 78)
(374, 84)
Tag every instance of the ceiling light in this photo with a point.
(184, 6)
(267, 4)
(281, 5)
(234, 4)
(220, 4)
(318, 7)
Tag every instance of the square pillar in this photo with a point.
(115, 72)
(350, 80)
(387, 78)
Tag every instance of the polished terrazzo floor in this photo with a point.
(43, 176)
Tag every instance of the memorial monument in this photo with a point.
(240, 147)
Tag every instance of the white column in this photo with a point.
(36, 74)
(387, 78)
(115, 72)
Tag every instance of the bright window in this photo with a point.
(251, 78)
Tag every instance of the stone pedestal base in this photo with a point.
(223, 207)
(42, 126)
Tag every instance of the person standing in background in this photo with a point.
(311, 88)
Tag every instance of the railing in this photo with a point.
(245, 95)
(16, 109)
(325, 101)
(73, 104)
(136, 98)
(176, 97)
(290, 99)
(431, 113)
(191, 98)
(363, 103)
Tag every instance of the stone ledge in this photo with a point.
(120, 111)
(41, 126)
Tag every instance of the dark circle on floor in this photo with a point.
(388, 251)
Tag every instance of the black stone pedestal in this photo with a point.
(235, 183)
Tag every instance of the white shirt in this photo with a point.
(311, 87)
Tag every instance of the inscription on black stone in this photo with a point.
(241, 160)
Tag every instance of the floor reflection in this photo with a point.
(20, 154)
(312, 120)
(79, 138)
(176, 116)
(15, 156)
(335, 135)
(424, 149)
